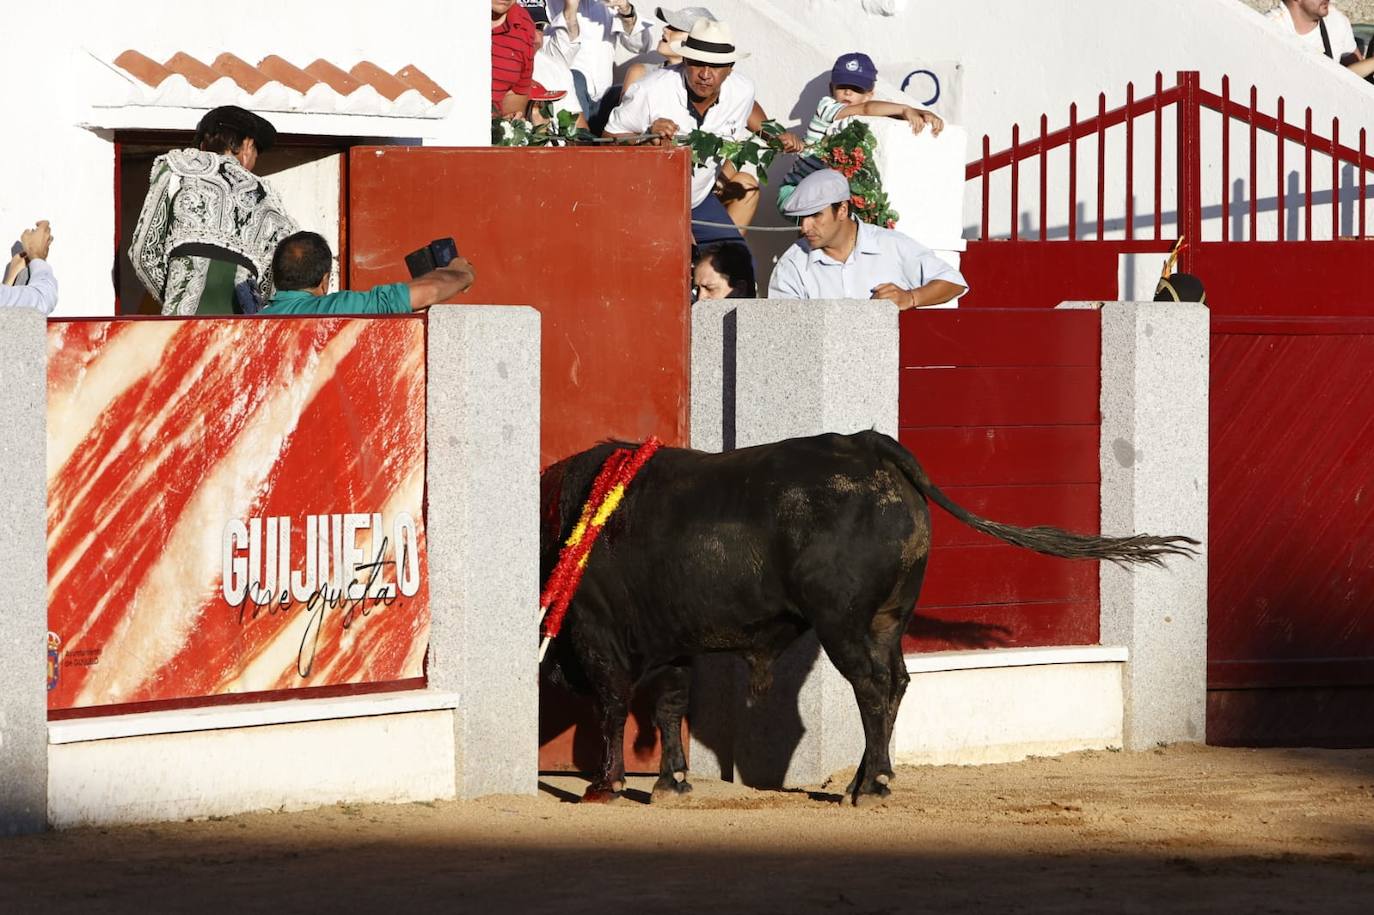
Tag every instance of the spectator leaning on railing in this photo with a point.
(839, 257)
(677, 25)
(701, 94)
(40, 292)
(853, 82)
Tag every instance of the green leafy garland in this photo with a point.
(850, 151)
(756, 149)
(560, 130)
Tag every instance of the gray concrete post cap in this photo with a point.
(817, 191)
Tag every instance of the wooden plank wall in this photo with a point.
(1001, 408)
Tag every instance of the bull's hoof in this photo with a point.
(600, 794)
(671, 790)
(873, 795)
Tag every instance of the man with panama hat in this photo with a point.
(677, 25)
(699, 94)
(839, 257)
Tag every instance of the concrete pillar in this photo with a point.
(785, 368)
(482, 480)
(1155, 376)
(24, 584)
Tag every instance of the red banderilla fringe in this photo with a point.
(607, 492)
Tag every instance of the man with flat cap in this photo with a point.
(205, 237)
(839, 257)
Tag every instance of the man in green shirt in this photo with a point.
(300, 269)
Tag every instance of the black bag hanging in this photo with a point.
(1326, 38)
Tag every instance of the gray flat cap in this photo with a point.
(816, 192)
(685, 18)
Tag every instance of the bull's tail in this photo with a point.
(1138, 548)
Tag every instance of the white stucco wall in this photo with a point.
(57, 162)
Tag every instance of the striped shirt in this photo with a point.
(512, 55)
(823, 124)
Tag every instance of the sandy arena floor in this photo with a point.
(1178, 829)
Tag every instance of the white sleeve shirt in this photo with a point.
(663, 94)
(599, 31)
(40, 293)
(879, 256)
(1338, 30)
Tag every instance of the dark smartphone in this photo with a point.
(436, 254)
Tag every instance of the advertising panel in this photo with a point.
(235, 506)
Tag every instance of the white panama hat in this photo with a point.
(710, 43)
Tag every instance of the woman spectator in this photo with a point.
(724, 270)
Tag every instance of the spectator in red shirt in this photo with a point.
(513, 39)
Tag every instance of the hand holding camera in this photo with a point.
(37, 240)
(439, 272)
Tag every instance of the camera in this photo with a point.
(437, 253)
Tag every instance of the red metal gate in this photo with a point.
(1291, 596)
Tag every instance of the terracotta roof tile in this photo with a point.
(273, 69)
(142, 68)
(286, 73)
(413, 77)
(338, 80)
(249, 77)
(389, 86)
(196, 73)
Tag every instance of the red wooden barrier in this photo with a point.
(580, 258)
(1001, 408)
(608, 274)
(1290, 633)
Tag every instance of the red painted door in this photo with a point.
(582, 235)
(1291, 583)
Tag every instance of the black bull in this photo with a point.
(743, 552)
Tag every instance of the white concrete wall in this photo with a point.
(1019, 60)
(394, 748)
(977, 707)
(57, 158)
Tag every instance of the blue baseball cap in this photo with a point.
(854, 69)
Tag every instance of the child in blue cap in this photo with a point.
(852, 82)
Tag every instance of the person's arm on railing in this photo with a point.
(918, 118)
(936, 292)
(790, 143)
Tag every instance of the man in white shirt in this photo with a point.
(699, 94)
(585, 33)
(1323, 29)
(839, 257)
(40, 292)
